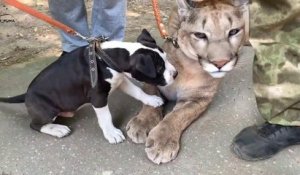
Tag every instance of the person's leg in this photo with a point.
(276, 86)
(108, 19)
(73, 14)
(279, 104)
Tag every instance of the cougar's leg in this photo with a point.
(163, 142)
(141, 124)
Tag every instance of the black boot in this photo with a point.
(262, 142)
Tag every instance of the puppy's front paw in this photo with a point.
(113, 135)
(56, 130)
(153, 100)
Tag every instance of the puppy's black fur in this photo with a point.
(65, 85)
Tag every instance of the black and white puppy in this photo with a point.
(62, 87)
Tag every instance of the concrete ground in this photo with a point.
(205, 144)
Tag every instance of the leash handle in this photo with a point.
(160, 25)
(93, 63)
(41, 16)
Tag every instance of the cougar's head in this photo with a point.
(212, 32)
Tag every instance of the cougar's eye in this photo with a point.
(233, 32)
(200, 35)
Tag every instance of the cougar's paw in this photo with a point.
(153, 100)
(139, 126)
(162, 144)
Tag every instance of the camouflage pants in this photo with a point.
(275, 34)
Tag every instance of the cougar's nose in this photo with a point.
(220, 64)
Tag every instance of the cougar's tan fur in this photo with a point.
(195, 85)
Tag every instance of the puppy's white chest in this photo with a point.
(116, 79)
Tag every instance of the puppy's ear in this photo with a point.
(146, 39)
(145, 65)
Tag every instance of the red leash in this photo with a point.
(161, 27)
(43, 17)
(57, 24)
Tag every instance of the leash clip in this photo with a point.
(173, 41)
(102, 38)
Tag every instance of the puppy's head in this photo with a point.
(150, 63)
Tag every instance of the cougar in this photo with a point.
(210, 35)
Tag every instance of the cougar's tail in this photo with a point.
(15, 99)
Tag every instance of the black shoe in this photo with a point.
(262, 142)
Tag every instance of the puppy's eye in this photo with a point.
(200, 35)
(233, 32)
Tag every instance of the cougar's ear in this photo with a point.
(244, 8)
(146, 39)
(241, 2)
(183, 9)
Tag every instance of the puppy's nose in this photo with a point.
(219, 64)
(175, 74)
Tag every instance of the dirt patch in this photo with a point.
(23, 37)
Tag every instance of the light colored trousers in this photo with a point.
(108, 19)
